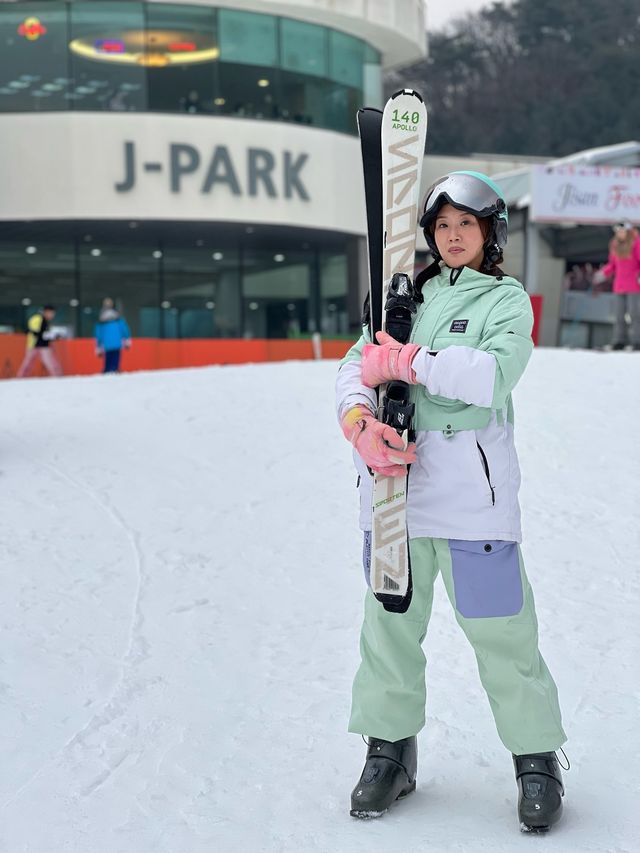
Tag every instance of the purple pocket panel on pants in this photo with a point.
(486, 578)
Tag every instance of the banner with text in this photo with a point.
(585, 194)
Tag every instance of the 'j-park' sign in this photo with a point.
(588, 194)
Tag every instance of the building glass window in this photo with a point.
(116, 55)
(108, 56)
(334, 318)
(126, 271)
(248, 38)
(341, 105)
(201, 282)
(306, 99)
(182, 79)
(372, 78)
(34, 63)
(249, 91)
(276, 292)
(347, 59)
(201, 291)
(304, 48)
(33, 274)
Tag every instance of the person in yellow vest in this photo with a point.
(39, 336)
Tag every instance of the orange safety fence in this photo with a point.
(78, 356)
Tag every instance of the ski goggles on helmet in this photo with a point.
(465, 191)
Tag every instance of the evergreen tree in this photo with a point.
(543, 77)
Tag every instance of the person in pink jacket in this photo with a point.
(624, 266)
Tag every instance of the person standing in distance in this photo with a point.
(469, 345)
(39, 337)
(624, 266)
(112, 334)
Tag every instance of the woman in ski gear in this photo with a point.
(112, 334)
(624, 266)
(469, 345)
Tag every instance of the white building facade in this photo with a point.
(197, 162)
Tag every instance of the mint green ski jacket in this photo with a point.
(475, 334)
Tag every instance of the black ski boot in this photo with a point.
(540, 791)
(389, 774)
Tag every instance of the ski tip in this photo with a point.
(411, 92)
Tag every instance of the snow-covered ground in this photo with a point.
(176, 661)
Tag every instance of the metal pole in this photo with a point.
(531, 255)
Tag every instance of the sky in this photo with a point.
(182, 590)
(441, 12)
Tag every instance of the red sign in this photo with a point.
(32, 29)
(182, 47)
(110, 46)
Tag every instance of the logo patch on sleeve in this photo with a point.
(459, 326)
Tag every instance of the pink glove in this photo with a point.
(379, 445)
(388, 361)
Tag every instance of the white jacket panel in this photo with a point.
(450, 495)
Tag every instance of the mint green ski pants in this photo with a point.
(389, 691)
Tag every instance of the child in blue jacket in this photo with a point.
(112, 334)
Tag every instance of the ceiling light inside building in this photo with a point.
(96, 252)
(157, 48)
(157, 254)
(278, 258)
(210, 305)
(217, 256)
(74, 303)
(253, 306)
(26, 301)
(263, 82)
(220, 102)
(31, 250)
(165, 304)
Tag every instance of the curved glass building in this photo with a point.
(198, 162)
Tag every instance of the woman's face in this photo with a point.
(459, 238)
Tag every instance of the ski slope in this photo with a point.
(181, 599)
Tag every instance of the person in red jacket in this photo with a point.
(624, 266)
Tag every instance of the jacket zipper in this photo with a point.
(487, 473)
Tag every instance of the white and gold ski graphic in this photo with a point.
(389, 556)
(404, 132)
